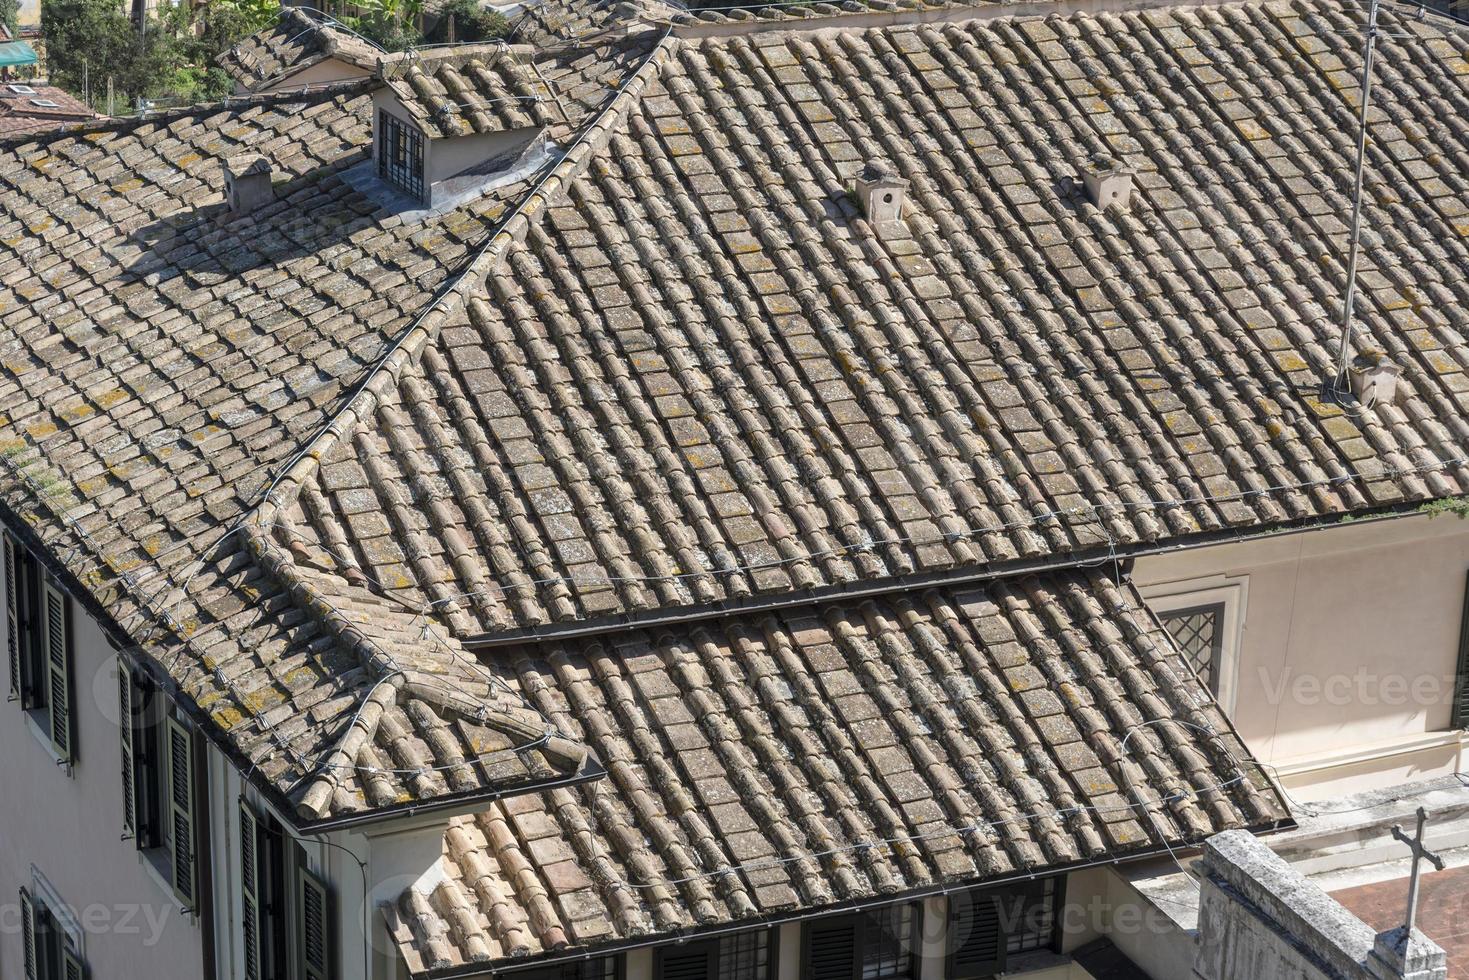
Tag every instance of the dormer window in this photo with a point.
(400, 154)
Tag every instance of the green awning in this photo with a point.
(14, 53)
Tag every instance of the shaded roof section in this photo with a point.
(491, 87)
(704, 379)
(161, 358)
(966, 734)
(297, 40)
(26, 109)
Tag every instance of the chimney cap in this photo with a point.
(247, 165)
(876, 171)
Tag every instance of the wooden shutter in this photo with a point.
(250, 877)
(127, 723)
(71, 967)
(691, 961)
(976, 935)
(315, 944)
(12, 612)
(832, 949)
(180, 750)
(56, 630)
(1460, 714)
(29, 951)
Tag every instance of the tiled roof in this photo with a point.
(160, 358)
(297, 40)
(491, 87)
(967, 734)
(27, 109)
(704, 379)
(690, 379)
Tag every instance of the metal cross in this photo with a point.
(1420, 853)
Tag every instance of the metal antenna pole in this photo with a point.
(1346, 325)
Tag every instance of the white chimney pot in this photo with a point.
(1376, 381)
(1107, 182)
(881, 193)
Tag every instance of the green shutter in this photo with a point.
(831, 949)
(976, 935)
(71, 967)
(1460, 715)
(250, 888)
(12, 613)
(315, 927)
(180, 749)
(57, 640)
(691, 961)
(127, 722)
(28, 935)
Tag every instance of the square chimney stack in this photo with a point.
(247, 184)
(1107, 182)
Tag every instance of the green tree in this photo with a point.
(170, 57)
(471, 23)
(10, 15)
(389, 23)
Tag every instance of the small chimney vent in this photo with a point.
(1107, 182)
(1375, 379)
(880, 194)
(247, 183)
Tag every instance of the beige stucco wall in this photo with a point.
(1347, 649)
(68, 828)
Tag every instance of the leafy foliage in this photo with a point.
(389, 23)
(171, 57)
(10, 14)
(1457, 506)
(471, 23)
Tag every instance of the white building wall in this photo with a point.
(1347, 646)
(68, 827)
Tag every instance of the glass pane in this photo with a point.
(744, 956)
(887, 941)
(1199, 633)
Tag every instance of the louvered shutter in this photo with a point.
(691, 961)
(71, 967)
(250, 888)
(315, 927)
(976, 936)
(127, 723)
(180, 750)
(56, 630)
(28, 935)
(832, 950)
(1460, 716)
(12, 612)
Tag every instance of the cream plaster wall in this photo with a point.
(68, 828)
(1347, 649)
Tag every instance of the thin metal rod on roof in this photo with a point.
(1370, 45)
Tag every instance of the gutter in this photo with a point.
(516, 967)
(990, 572)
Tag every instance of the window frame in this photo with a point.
(45, 685)
(714, 948)
(51, 939)
(146, 744)
(1015, 936)
(1231, 592)
(860, 922)
(402, 155)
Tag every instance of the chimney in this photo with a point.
(880, 194)
(247, 184)
(1107, 182)
(1374, 378)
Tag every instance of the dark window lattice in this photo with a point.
(1199, 633)
(400, 154)
(744, 956)
(887, 948)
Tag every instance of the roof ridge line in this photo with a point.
(426, 325)
(918, 13)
